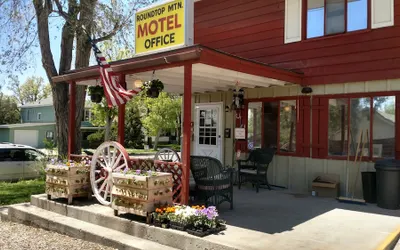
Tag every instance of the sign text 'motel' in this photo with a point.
(161, 27)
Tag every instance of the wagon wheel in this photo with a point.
(109, 157)
(167, 155)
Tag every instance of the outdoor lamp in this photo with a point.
(138, 83)
(306, 90)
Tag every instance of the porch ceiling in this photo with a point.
(205, 78)
(212, 71)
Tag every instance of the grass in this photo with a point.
(17, 192)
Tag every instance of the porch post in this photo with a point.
(187, 133)
(71, 120)
(121, 116)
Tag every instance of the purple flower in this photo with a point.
(125, 170)
(138, 171)
(149, 172)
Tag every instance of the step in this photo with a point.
(31, 215)
(3, 213)
(92, 212)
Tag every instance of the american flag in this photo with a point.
(115, 94)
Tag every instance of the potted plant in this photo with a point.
(205, 222)
(153, 88)
(96, 93)
(180, 219)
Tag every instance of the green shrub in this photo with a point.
(96, 139)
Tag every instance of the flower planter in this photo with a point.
(139, 194)
(199, 232)
(202, 233)
(178, 226)
(67, 182)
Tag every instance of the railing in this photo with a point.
(175, 168)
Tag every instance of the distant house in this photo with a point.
(38, 123)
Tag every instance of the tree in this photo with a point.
(29, 24)
(162, 116)
(133, 126)
(9, 112)
(104, 116)
(32, 90)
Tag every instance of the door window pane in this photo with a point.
(359, 121)
(271, 124)
(315, 18)
(383, 144)
(338, 124)
(357, 14)
(287, 137)
(335, 16)
(254, 125)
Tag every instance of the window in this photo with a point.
(208, 127)
(337, 132)
(254, 125)
(287, 131)
(32, 155)
(327, 17)
(49, 135)
(272, 125)
(374, 116)
(39, 116)
(383, 142)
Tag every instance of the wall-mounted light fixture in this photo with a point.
(306, 90)
(227, 108)
(238, 99)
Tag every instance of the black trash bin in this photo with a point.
(369, 186)
(388, 183)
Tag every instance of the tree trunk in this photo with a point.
(107, 131)
(59, 90)
(82, 57)
(157, 139)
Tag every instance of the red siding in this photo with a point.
(255, 28)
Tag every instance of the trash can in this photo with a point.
(369, 186)
(388, 183)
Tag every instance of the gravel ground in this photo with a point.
(15, 236)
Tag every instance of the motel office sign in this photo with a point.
(164, 26)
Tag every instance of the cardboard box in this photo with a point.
(326, 185)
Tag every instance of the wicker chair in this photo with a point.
(255, 168)
(214, 184)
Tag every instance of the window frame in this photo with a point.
(349, 96)
(48, 137)
(324, 36)
(299, 126)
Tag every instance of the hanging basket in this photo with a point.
(96, 98)
(96, 93)
(153, 88)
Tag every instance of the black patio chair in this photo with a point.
(214, 183)
(255, 168)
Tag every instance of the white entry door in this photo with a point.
(208, 130)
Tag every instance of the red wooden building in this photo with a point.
(347, 51)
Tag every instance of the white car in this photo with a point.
(20, 162)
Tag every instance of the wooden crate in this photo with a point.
(140, 195)
(67, 182)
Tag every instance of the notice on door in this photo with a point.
(162, 26)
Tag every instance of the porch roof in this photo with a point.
(213, 70)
